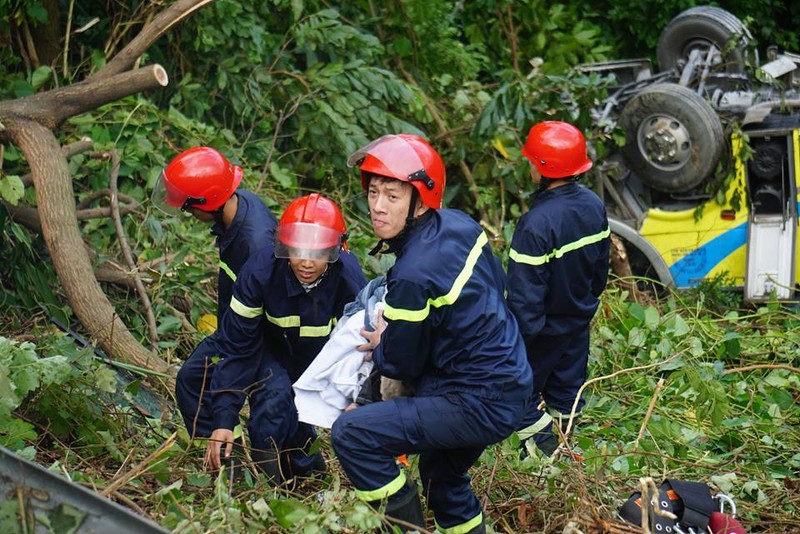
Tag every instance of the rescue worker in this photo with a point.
(202, 182)
(447, 331)
(284, 305)
(557, 269)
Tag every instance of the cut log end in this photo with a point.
(161, 75)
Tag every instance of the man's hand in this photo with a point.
(373, 338)
(219, 437)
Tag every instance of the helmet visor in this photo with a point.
(171, 200)
(395, 153)
(308, 241)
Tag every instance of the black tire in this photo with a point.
(699, 28)
(674, 138)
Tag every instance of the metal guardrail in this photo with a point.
(35, 500)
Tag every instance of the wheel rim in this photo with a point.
(702, 46)
(665, 142)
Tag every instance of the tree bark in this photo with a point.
(54, 194)
(30, 123)
(52, 108)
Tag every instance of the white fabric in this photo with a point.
(333, 380)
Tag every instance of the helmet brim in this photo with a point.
(392, 156)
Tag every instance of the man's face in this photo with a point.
(201, 215)
(535, 174)
(388, 201)
(306, 270)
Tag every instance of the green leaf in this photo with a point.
(40, 76)
(679, 326)
(11, 189)
(726, 482)
(402, 46)
(21, 88)
(106, 379)
(651, 318)
(282, 176)
(66, 519)
(288, 512)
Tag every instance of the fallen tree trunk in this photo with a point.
(30, 123)
(53, 183)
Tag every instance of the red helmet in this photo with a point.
(200, 177)
(403, 157)
(312, 227)
(558, 150)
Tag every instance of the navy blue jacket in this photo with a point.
(448, 326)
(252, 228)
(558, 264)
(272, 315)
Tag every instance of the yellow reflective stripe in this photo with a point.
(463, 528)
(228, 271)
(245, 311)
(293, 321)
(290, 321)
(386, 491)
(535, 428)
(445, 300)
(559, 252)
(316, 331)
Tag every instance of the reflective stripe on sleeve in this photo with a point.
(227, 270)
(386, 491)
(245, 311)
(445, 300)
(559, 252)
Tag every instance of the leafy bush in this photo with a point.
(60, 392)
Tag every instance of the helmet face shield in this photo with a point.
(308, 241)
(394, 153)
(404, 157)
(171, 200)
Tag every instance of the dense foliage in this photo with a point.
(288, 89)
(721, 385)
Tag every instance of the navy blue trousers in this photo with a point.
(449, 433)
(273, 416)
(559, 370)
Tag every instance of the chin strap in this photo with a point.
(217, 214)
(378, 248)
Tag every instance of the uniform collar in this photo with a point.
(293, 286)
(556, 191)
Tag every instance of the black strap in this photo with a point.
(691, 502)
(631, 511)
(696, 500)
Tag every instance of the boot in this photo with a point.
(548, 445)
(318, 467)
(408, 509)
(312, 466)
(268, 462)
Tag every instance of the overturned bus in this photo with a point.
(712, 113)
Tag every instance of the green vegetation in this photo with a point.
(723, 387)
(287, 89)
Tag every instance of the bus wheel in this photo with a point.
(673, 137)
(700, 28)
